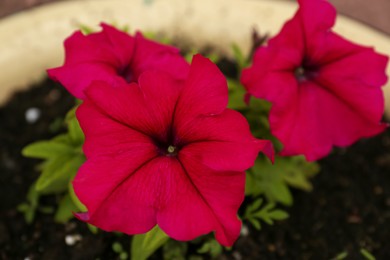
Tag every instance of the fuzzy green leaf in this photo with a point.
(256, 223)
(144, 245)
(81, 207)
(176, 250)
(117, 247)
(47, 149)
(86, 29)
(74, 130)
(211, 247)
(341, 256)
(29, 208)
(367, 255)
(189, 55)
(273, 181)
(236, 95)
(57, 173)
(239, 57)
(278, 214)
(254, 212)
(65, 210)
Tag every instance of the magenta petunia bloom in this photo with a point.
(111, 56)
(324, 89)
(165, 152)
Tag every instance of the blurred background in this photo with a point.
(374, 13)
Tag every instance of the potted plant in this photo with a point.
(254, 210)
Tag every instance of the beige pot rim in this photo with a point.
(31, 41)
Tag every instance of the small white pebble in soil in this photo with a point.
(244, 231)
(71, 240)
(32, 115)
(236, 255)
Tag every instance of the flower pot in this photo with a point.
(34, 43)
(31, 41)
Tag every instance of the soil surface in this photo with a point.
(349, 208)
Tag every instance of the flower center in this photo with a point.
(167, 144)
(171, 149)
(167, 148)
(304, 73)
(301, 74)
(126, 74)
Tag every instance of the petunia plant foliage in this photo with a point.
(164, 147)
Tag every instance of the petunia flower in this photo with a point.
(165, 152)
(112, 55)
(325, 91)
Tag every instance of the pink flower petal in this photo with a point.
(146, 108)
(108, 137)
(119, 191)
(324, 90)
(77, 77)
(316, 15)
(204, 201)
(359, 88)
(114, 56)
(95, 47)
(205, 91)
(151, 55)
(233, 149)
(120, 43)
(316, 121)
(158, 152)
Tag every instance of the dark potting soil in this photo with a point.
(348, 210)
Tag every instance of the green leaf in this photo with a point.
(117, 247)
(191, 257)
(189, 55)
(47, 149)
(93, 229)
(46, 210)
(211, 247)
(86, 29)
(57, 173)
(29, 208)
(81, 207)
(278, 214)
(213, 57)
(64, 139)
(56, 125)
(65, 210)
(268, 213)
(239, 57)
(255, 222)
(156, 37)
(123, 256)
(254, 206)
(341, 256)
(299, 172)
(252, 185)
(273, 181)
(236, 95)
(74, 130)
(175, 250)
(144, 245)
(276, 191)
(367, 254)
